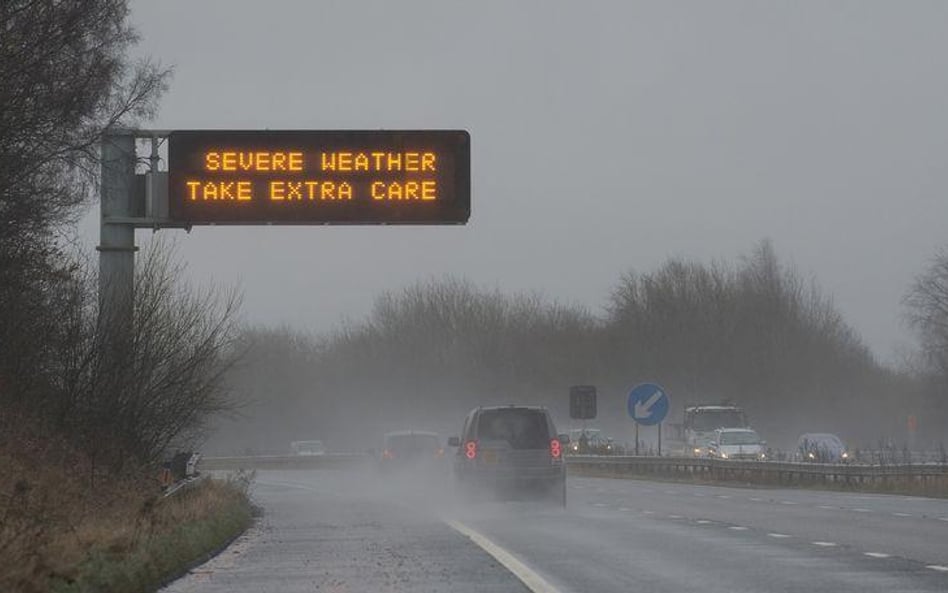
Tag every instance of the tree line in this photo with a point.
(754, 332)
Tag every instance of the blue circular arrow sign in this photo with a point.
(648, 404)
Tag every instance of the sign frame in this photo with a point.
(582, 402)
(451, 174)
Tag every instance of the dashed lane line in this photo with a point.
(737, 528)
(777, 535)
(825, 544)
(876, 554)
(675, 517)
(862, 510)
(901, 514)
(527, 576)
(703, 522)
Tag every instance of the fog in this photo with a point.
(606, 139)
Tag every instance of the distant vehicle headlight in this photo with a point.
(723, 455)
(811, 455)
(845, 455)
(763, 456)
(575, 447)
(697, 450)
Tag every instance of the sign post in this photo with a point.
(648, 405)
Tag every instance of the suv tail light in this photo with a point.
(556, 449)
(470, 449)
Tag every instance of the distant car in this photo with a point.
(511, 450)
(411, 449)
(816, 447)
(737, 443)
(308, 448)
(590, 441)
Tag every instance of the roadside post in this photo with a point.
(648, 405)
(582, 404)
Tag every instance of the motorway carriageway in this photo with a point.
(340, 531)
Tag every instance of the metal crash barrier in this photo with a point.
(929, 478)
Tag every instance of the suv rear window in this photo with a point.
(522, 429)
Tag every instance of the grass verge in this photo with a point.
(177, 533)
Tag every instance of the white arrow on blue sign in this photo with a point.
(648, 404)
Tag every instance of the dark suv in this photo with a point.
(511, 449)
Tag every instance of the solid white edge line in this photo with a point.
(528, 577)
(938, 567)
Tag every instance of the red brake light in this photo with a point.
(470, 449)
(555, 449)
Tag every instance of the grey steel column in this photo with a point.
(117, 239)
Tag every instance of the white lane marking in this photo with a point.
(648, 513)
(902, 514)
(755, 499)
(737, 528)
(938, 567)
(626, 509)
(702, 522)
(599, 504)
(826, 507)
(825, 544)
(778, 535)
(674, 516)
(528, 577)
(862, 510)
(724, 496)
(787, 502)
(943, 518)
(876, 554)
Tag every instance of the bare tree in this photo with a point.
(66, 76)
(166, 378)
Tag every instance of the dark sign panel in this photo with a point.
(319, 177)
(582, 402)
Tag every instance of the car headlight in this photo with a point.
(811, 455)
(845, 455)
(723, 455)
(575, 447)
(763, 456)
(697, 450)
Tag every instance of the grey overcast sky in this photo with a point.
(605, 136)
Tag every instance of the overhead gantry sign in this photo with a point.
(319, 177)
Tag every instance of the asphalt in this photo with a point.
(330, 530)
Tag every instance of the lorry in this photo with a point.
(700, 422)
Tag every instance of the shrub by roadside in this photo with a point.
(172, 535)
(68, 525)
